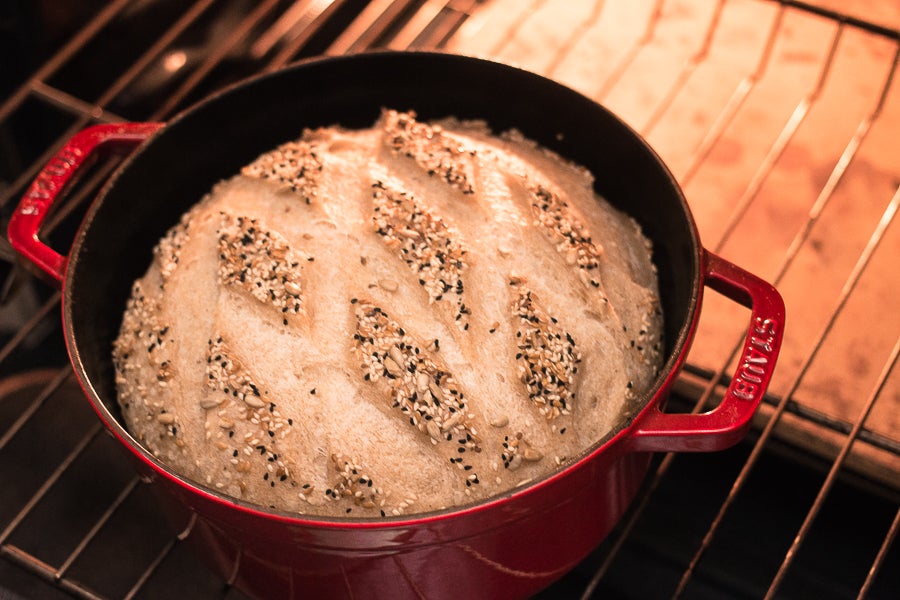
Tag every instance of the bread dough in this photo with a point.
(388, 321)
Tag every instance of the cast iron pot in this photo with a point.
(508, 546)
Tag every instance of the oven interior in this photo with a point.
(779, 120)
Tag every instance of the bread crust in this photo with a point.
(389, 321)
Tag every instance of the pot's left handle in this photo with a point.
(72, 158)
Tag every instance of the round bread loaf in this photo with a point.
(387, 321)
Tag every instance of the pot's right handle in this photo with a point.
(726, 424)
(72, 158)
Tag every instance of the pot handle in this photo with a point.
(726, 424)
(77, 154)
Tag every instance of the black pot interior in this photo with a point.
(216, 138)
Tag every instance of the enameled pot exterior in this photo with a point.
(508, 550)
(510, 546)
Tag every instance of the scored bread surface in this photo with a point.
(387, 321)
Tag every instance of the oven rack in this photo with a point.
(40, 402)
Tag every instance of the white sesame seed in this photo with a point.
(502, 421)
(388, 284)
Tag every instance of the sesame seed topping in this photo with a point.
(225, 373)
(353, 484)
(168, 250)
(571, 236)
(260, 262)
(547, 356)
(295, 166)
(418, 385)
(142, 332)
(437, 153)
(424, 242)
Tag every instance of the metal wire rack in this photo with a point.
(778, 119)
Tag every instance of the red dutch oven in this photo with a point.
(505, 547)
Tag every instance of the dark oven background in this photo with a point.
(779, 120)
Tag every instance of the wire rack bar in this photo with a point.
(407, 35)
(445, 24)
(833, 475)
(45, 487)
(72, 105)
(699, 378)
(751, 461)
(842, 17)
(625, 62)
(690, 65)
(735, 102)
(78, 41)
(879, 558)
(780, 144)
(151, 568)
(372, 23)
(835, 177)
(580, 30)
(52, 386)
(313, 20)
(28, 328)
(214, 58)
(480, 21)
(97, 526)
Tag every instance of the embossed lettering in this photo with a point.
(755, 356)
(752, 371)
(767, 327)
(763, 344)
(755, 369)
(46, 184)
(747, 374)
(745, 390)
